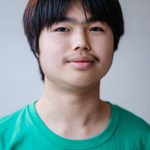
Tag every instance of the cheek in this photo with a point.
(51, 50)
(104, 48)
(50, 61)
(51, 57)
(104, 51)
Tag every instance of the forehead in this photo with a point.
(78, 12)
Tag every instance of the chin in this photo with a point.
(82, 84)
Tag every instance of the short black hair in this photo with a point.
(39, 14)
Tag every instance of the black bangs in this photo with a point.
(50, 12)
(96, 9)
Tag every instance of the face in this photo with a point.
(76, 52)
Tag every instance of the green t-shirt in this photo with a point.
(24, 130)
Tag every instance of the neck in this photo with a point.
(70, 108)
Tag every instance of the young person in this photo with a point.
(74, 42)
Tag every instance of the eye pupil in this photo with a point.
(62, 29)
(96, 29)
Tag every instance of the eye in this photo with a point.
(61, 29)
(96, 29)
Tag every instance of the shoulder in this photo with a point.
(130, 119)
(131, 130)
(132, 126)
(11, 124)
(12, 118)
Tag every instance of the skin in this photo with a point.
(75, 55)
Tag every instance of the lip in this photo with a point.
(81, 63)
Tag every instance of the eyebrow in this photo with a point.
(74, 21)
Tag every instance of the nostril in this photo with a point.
(77, 48)
(86, 48)
(82, 48)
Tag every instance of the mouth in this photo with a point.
(81, 63)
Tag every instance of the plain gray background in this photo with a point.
(127, 84)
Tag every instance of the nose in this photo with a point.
(80, 41)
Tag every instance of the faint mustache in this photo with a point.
(81, 57)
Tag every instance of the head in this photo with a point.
(44, 13)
